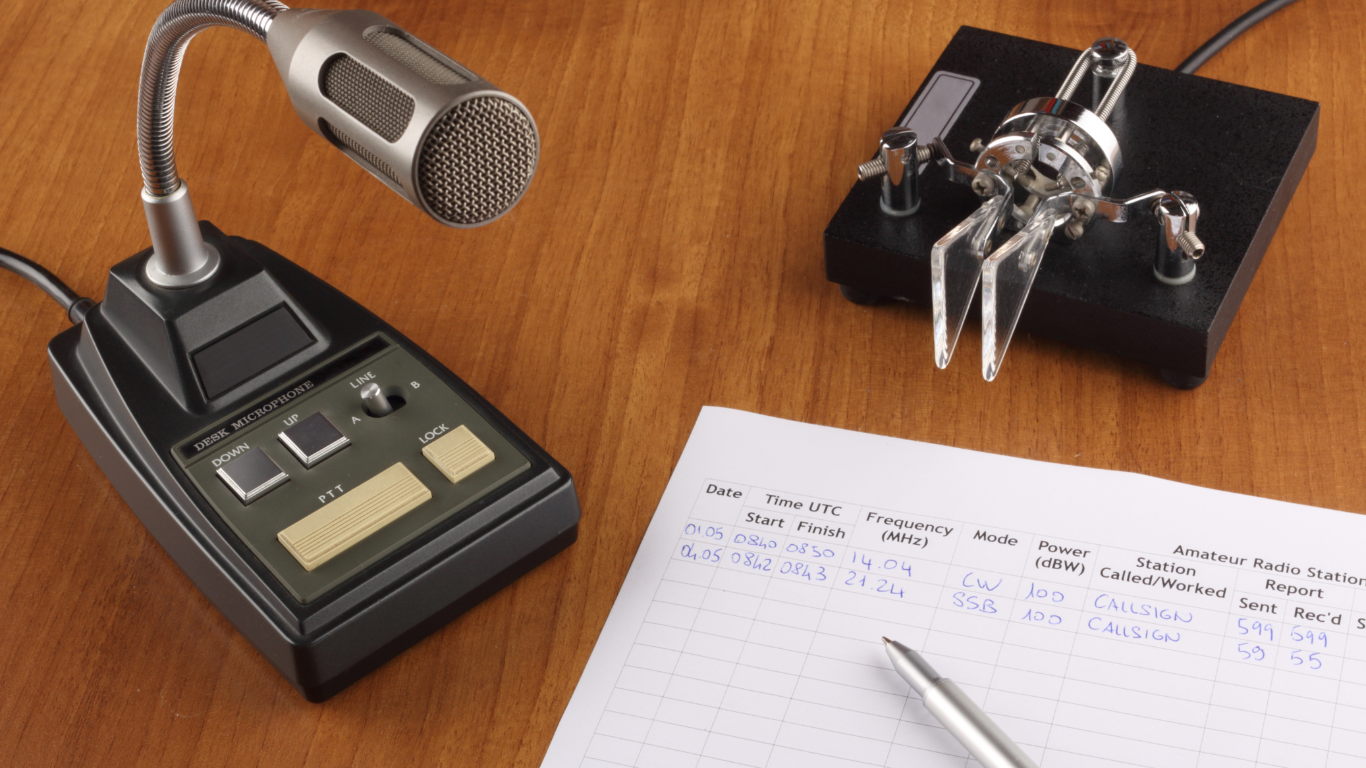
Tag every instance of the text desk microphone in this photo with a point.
(329, 486)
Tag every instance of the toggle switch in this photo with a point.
(376, 404)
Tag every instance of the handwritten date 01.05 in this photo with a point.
(713, 532)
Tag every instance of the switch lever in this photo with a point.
(376, 404)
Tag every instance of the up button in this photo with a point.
(313, 440)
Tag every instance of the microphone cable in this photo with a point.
(1230, 33)
(75, 305)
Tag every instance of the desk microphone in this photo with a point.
(332, 488)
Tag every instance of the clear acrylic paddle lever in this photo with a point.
(1048, 166)
(1007, 275)
(956, 264)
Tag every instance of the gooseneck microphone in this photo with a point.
(438, 134)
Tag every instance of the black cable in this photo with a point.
(75, 305)
(1228, 34)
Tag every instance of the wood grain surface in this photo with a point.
(668, 256)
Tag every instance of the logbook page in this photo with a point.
(1103, 619)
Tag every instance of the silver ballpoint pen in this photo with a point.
(951, 707)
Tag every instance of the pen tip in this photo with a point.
(886, 641)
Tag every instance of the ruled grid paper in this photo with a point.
(1102, 618)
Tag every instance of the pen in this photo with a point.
(951, 707)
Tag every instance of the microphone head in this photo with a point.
(449, 141)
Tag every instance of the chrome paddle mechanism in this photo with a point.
(1049, 166)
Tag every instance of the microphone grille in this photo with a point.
(360, 149)
(402, 50)
(477, 160)
(366, 96)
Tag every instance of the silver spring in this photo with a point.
(1073, 79)
(1116, 89)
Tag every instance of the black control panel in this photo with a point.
(315, 451)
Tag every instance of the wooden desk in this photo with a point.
(667, 256)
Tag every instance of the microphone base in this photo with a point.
(165, 387)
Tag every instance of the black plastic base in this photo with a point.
(1239, 150)
(119, 381)
(441, 618)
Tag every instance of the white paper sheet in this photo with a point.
(1102, 618)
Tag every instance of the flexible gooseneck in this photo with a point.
(171, 34)
(180, 258)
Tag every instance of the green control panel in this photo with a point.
(320, 482)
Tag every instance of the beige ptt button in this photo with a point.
(359, 512)
(458, 454)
